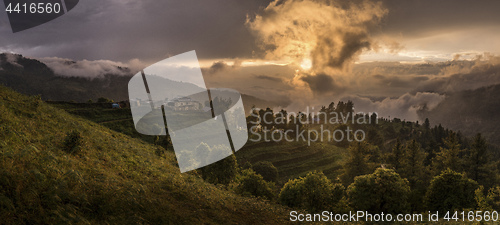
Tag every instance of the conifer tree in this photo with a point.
(448, 157)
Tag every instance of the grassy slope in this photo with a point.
(114, 179)
(293, 159)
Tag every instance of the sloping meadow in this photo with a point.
(57, 168)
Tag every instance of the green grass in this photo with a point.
(292, 159)
(112, 179)
(116, 179)
(295, 159)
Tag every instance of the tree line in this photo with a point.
(401, 167)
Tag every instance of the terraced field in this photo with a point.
(295, 159)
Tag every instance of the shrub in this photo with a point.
(451, 191)
(494, 198)
(251, 183)
(382, 191)
(104, 100)
(73, 142)
(221, 172)
(314, 192)
(267, 170)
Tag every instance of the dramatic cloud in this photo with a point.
(406, 106)
(121, 30)
(12, 59)
(269, 78)
(327, 32)
(465, 75)
(86, 68)
(221, 66)
(322, 84)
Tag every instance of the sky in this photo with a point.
(390, 56)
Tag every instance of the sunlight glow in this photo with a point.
(306, 64)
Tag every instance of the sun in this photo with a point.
(306, 64)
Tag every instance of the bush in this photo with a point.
(267, 170)
(221, 172)
(313, 193)
(494, 198)
(382, 191)
(73, 142)
(104, 100)
(451, 191)
(250, 183)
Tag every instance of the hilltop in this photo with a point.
(471, 112)
(58, 168)
(33, 77)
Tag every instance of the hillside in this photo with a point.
(32, 77)
(471, 112)
(108, 178)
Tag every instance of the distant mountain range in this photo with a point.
(33, 77)
(471, 112)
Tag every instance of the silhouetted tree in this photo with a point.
(383, 191)
(251, 183)
(314, 193)
(395, 158)
(267, 170)
(357, 163)
(414, 170)
(478, 163)
(450, 191)
(448, 157)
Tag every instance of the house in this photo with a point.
(183, 104)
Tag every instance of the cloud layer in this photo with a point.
(328, 32)
(86, 68)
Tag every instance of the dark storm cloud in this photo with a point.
(322, 84)
(417, 18)
(398, 81)
(221, 66)
(481, 74)
(353, 44)
(121, 30)
(269, 78)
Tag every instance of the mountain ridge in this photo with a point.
(33, 77)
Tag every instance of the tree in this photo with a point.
(104, 100)
(281, 119)
(267, 170)
(477, 161)
(383, 191)
(357, 163)
(220, 172)
(413, 164)
(375, 138)
(427, 124)
(250, 183)
(373, 119)
(450, 191)
(494, 198)
(448, 157)
(313, 193)
(414, 170)
(396, 156)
